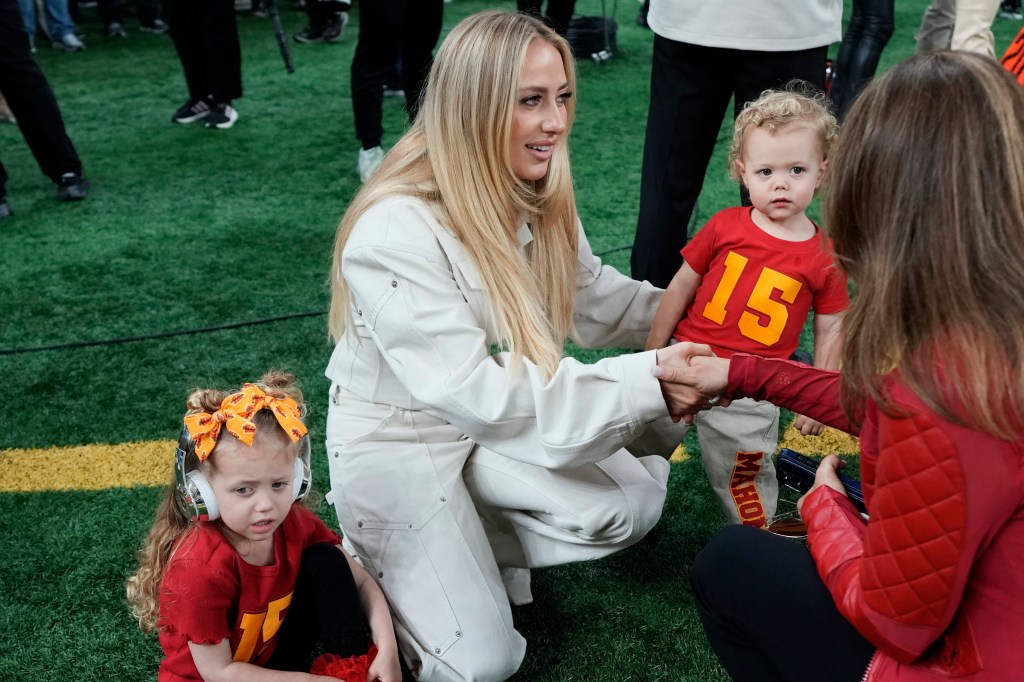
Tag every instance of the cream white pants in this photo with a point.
(958, 25)
(434, 517)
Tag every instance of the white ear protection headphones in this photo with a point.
(195, 494)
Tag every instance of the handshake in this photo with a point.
(692, 379)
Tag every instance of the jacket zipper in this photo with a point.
(871, 663)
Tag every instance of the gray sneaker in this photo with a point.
(68, 43)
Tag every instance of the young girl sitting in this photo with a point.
(240, 582)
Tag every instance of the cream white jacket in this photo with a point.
(422, 336)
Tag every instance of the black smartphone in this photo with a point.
(797, 471)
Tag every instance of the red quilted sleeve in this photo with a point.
(805, 390)
(900, 582)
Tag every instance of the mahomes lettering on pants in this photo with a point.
(744, 492)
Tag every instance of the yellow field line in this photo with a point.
(149, 463)
(87, 467)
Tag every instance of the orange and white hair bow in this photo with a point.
(236, 413)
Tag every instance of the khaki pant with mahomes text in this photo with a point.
(737, 443)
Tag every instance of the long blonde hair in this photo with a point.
(456, 157)
(172, 528)
(926, 212)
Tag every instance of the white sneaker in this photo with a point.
(69, 43)
(369, 160)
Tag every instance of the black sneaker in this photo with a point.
(115, 29)
(309, 35)
(158, 26)
(191, 111)
(5, 209)
(72, 187)
(335, 28)
(221, 116)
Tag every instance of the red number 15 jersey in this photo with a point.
(756, 289)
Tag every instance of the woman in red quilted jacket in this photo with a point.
(926, 209)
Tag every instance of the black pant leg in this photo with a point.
(31, 100)
(377, 50)
(109, 11)
(871, 25)
(557, 16)
(147, 11)
(690, 91)
(529, 6)
(756, 72)
(422, 28)
(319, 14)
(325, 612)
(559, 13)
(205, 35)
(767, 614)
(223, 50)
(184, 19)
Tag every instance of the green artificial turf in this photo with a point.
(187, 228)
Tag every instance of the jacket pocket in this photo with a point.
(956, 654)
(408, 553)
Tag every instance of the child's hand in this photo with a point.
(385, 668)
(808, 426)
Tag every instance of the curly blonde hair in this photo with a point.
(172, 528)
(776, 109)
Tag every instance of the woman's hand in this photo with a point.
(827, 474)
(694, 386)
(683, 398)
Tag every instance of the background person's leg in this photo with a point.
(936, 31)
(690, 92)
(972, 31)
(31, 100)
(419, 37)
(222, 49)
(870, 27)
(184, 17)
(377, 50)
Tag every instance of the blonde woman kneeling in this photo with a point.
(462, 444)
